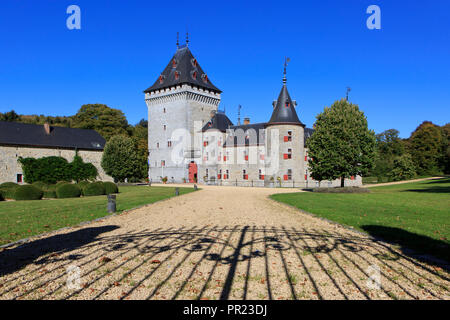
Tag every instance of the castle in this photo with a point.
(189, 140)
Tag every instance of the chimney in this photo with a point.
(247, 120)
(47, 128)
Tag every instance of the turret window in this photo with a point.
(287, 104)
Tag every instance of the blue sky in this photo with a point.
(399, 75)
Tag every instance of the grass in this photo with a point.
(22, 219)
(411, 215)
(374, 180)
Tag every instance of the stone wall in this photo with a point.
(9, 167)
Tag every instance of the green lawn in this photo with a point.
(22, 219)
(413, 215)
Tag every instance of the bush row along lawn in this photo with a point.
(374, 180)
(413, 215)
(22, 219)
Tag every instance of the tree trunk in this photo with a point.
(342, 182)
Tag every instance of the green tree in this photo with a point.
(446, 147)
(120, 159)
(427, 148)
(341, 145)
(389, 146)
(9, 116)
(140, 138)
(106, 121)
(403, 168)
(81, 171)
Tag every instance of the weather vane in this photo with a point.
(346, 95)
(286, 61)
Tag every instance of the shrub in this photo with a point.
(1, 197)
(94, 189)
(7, 189)
(342, 190)
(68, 191)
(40, 185)
(82, 184)
(110, 187)
(27, 192)
(49, 194)
(8, 185)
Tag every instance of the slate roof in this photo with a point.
(32, 135)
(284, 111)
(220, 122)
(183, 68)
(240, 137)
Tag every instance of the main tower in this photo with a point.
(179, 103)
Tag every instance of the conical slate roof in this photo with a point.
(183, 68)
(284, 111)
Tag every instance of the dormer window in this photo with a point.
(204, 78)
(287, 104)
(174, 63)
(161, 78)
(194, 75)
(177, 75)
(194, 62)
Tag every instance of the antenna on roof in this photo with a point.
(239, 115)
(286, 61)
(178, 40)
(346, 95)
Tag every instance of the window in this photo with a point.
(194, 62)
(174, 63)
(204, 78)
(246, 155)
(207, 172)
(164, 127)
(177, 75)
(261, 176)
(287, 103)
(226, 175)
(163, 163)
(288, 155)
(169, 143)
(219, 176)
(289, 173)
(157, 145)
(244, 175)
(164, 110)
(19, 178)
(161, 79)
(194, 75)
(205, 143)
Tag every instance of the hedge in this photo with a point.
(110, 187)
(52, 169)
(68, 191)
(8, 185)
(94, 189)
(49, 194)
(342, 190)
(7, 189)
(41, 185)
(1, 197)
(27, 192)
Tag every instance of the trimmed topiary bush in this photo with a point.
(60, 183)
(39, 184)
(7, 189)
(94, 189)
(110, 187)
(68, 191)
(8, 185)
(27, 192)
(50, 194)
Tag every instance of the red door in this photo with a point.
(192, 172)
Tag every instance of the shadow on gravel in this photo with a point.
(200, 262)
(15, 259)
(408, 240)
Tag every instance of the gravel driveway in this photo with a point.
(217, 243)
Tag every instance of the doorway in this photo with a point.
(192, 172)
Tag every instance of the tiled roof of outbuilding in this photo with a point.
(32, 135)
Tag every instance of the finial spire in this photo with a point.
(286, 61)
(178, 40)
(187, 38)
